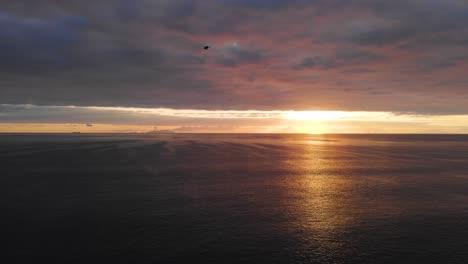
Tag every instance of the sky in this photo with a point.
(297, 66)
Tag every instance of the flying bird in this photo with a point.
(206, 47)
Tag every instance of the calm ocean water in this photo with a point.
(234, 198)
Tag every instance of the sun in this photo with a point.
(314, 122)
(315, 128)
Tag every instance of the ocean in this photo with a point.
(233, 198)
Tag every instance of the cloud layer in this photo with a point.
(47, 119)
(360, 55)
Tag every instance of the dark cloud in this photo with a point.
(148, 53)
(412, 23)
(266, 4)
(32, 42)
(234, 54)
(342, 58)
(316, 61)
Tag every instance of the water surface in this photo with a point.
(234, 198)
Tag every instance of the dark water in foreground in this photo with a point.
(234, 198)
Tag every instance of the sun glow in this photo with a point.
(336, 115)
(316, 115)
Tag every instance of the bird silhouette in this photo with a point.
(206, 47)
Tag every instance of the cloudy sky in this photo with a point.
(126, 65)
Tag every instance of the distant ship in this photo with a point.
(163, 131)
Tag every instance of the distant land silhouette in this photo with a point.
(162, 131)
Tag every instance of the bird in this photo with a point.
(206, 47)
